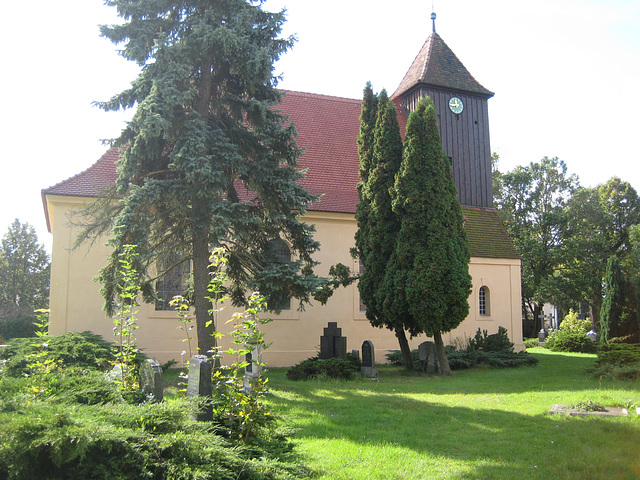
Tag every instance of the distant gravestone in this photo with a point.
(151, 380)
(428, 358)
(332, 343)
(355, 353)
(368, 368)
(199, 385)
(253, 370)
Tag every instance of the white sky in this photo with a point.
(566, 75)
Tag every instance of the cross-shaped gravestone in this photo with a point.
(332, 343)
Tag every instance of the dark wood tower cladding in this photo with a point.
(463, 118)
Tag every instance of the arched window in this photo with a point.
(280, 252)
(483, 301)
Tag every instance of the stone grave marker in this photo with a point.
(199, 385)
(253, 370)
(368, 368)
(332, 343)
(428, 358)
(151, 380)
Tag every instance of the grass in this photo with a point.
(476, 424)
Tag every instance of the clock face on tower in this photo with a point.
(456, 105)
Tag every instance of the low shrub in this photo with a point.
(531, 342)
(497, 342)
(618, 361)
(314, 367)
(573, 324)
(69, 350)
(503, 359)
(394, 357)
(568, 341)
(17, 327)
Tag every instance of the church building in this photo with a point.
(327, 131)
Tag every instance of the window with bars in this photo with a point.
(483, 301)
(173, 282)
(279, 250)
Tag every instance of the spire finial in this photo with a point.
(433, 19)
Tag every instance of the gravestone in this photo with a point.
(368, 368)
(428, 358)
(355, 353)
(151, 380)
(199, 385)
(253, 370)
(332, 343)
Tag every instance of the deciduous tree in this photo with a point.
(24, 270)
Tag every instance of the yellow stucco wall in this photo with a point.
(76, 304)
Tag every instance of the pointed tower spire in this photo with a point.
(433, 21)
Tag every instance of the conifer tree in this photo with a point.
(207, 160)
(429, 271)
(613, 299)
(377, 231)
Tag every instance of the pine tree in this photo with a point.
(613, 299)
(380, 159)
(429, 270)
(207, 160)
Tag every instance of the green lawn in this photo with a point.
(476, 424)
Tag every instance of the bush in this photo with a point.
(394, 357)
(17, 327)
(572, 324)
(149, 441)
(618, 354)
(497, 342)
(503, 359)
(567, 341)
(330, 368)
(531, 342)
(72, 349)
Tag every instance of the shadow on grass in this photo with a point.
(387, 420)
(491, 443)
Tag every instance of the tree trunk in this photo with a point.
(537, 321)
(404, 348)
(441, 354)
(206, 341)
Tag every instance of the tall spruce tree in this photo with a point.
(380, 159)
(207, 160)
(429, 271)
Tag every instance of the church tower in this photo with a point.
(461, 108)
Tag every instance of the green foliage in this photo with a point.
(573, 324)
(613, 299)
(589, 406)
(147, 441)
(429, 269)
(124, 321)
(24, 272)
(207, 159)
(566, 341)
(531, 342)
(618, 354)
(531, 201)
(17, 327)
(394, 357)
(75, 350)
(496, 342)
(490, 358)
(315, 368)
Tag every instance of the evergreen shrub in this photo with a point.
(531, 342)
(619, 361)
(394, 357)
(17, 327)
(568, 341)
(315, 368)
(497, 342)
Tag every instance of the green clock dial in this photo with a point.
(456, 105)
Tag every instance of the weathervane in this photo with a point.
(433, 18)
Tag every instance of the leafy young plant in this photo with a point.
(124, 322)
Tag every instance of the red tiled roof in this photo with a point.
(437, 65)
(328, 129)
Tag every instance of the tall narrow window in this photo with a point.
(483, 301)
(363, 307)
(173, 282)
(279, 250)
